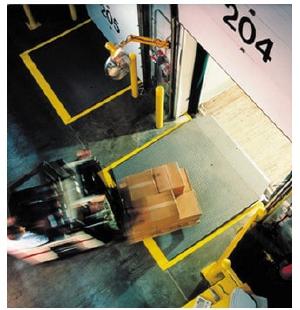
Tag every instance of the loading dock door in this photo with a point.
(187, 47)
(253, 44)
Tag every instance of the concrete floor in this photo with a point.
(119, 275)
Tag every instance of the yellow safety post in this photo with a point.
(111, 47)
(32, 23)
(220, 275)
(214, 271)
(73, 12)
(106, 178)
(159, 106)
(133, 75)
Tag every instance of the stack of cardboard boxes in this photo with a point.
(159, 200)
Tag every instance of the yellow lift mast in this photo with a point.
(221, 277)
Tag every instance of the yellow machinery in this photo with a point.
(138, 39)
(119, 64)
(221, 277)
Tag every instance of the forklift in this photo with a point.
(70, 207)
(61, 210)
(77, 208)
(258, 260)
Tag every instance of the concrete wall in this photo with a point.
(234, 47)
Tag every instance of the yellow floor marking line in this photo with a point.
(58, 36)
(158, 255)
(49, 92)
(153, 248)
(46, 88)
(119, 161)
(165, 264)
(100, 104)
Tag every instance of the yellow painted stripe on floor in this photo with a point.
(150, 243)
(156, 253)
(116, 163)
(58, 36)
(165, 264)
(191, 303)
(46, 88)
(105, 172)
(213, 235)
(99, 104)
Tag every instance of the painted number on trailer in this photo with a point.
(247, 31)
(107, 15)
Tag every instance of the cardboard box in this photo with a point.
(160, 206)
(186, 180)
(122, 185)
(144, 190)
(155, 212)
(161, 178)
(141, 185)
(175, 178)
(188, 207)
(159, 200)
(154, 201)
(137, 178)
(163, 213)
(138, 233)
(167, 177)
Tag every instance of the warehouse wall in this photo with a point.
(238, 38)
(216, 81)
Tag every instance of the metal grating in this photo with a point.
(224, 178)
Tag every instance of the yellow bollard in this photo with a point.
(32, 23)
(110, 47)
(73, 12)
(133, 76)
(159, 106)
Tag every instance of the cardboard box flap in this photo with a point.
(158, 198)
(161, 178)
(144, 190)
(141, 177)
(157, 207)
(187, 205)
(186, 180)
(168, 212)
(141, 185)
(168, 177)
